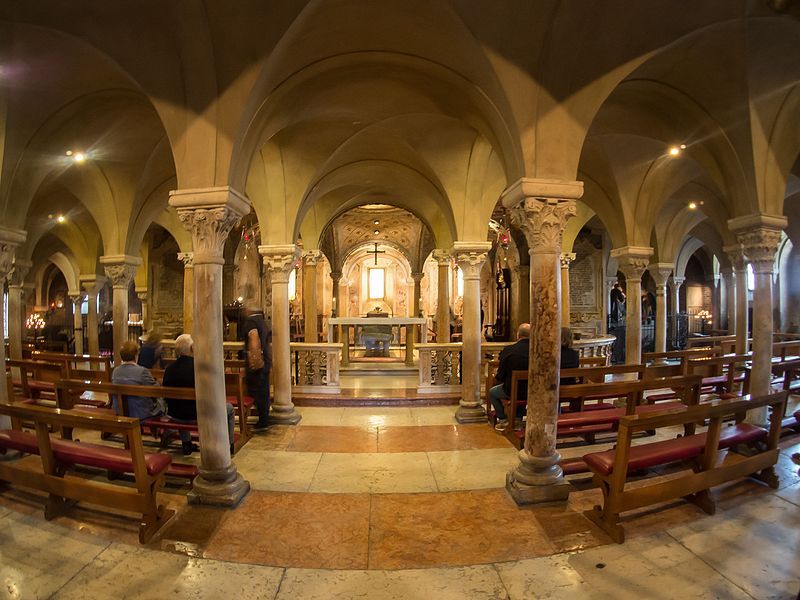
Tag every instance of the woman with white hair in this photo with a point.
(181, 374)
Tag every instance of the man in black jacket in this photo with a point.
(257, 339)
(512, 358)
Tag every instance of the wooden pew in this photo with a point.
(37, 378)
(722, 374)
(80, 366)
(59, 457)
(681, 356)
(701, 450)
(787, 376)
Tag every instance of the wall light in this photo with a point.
(692, 205)
(674, 151)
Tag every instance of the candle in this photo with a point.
(334, 303)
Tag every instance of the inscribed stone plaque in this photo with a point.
(584, 275)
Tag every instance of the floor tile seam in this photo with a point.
(709, 565)
(280, 583)
(369, 534)
(433, 473)
(314, 475)
(776, 494)
(500, 578)
(429, 451)
(106, 547)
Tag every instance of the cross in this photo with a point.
(376, 252)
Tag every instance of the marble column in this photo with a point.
(566, 259)
(610, 281)
(760, 236)
(677, 282)
(470, 257)
(141, 293)
(310, 318)
(187, 258)
(633, 260)
(738, 260)
(280, 261)
(660, 273)
(92, 284)
(416, 309)
(10, 239)
(538, 477)
(77, 320)
(16, 313)
(728, 276)
(524, 295)
(120, 269)
(443, 258)
(337, 309)
(209, 215)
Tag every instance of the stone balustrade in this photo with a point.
(439, 368)
(315, 367)
(596, 346)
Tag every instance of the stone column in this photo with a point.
(729, 277)
(120, 269)
(337, 308)
(610, 281)
(739, 262)
(442, 257)
(633, 261)
(470, 257)
(538, 477)
(416, 305)
(310, 329)
(77, 320)
(660, 273)
(10, 239)
(280, 261)
(92, 284)
(141, 292)
(716, 301)
(760, 236)
(187, 258)
(209, 215)
(566, 259)
(524, 295)
(16, 315)
(677, 282)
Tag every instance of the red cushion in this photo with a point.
(182, 470)
(41, 386)
(571, 466)
(105, 457)
(715, 380)
(167, 424)
(12, 439)
(661, 453)
(590, 417)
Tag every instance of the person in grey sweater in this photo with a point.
(130, 373)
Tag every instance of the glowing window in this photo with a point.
(376, 281)
(293, 284)
(85, 304)
(751, 278)
(459, 282)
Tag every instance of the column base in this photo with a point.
(470, 414)
(219, 488)
(524, 494)
(537, 480)
(283, 416)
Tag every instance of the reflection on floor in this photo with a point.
(402, 502)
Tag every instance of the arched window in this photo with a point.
(293, 284)
(377, 278)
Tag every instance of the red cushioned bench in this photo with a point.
(59, 457)
(610, 469)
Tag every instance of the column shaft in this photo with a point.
(120, 269)
(660, 273)
(632, 262)
(566, 259)
(15, 321)
(730, 304)
(10, 239)
(310, 328)
(77, 321)
(187, 258)
(443, 302)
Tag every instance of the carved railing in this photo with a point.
(315, 367)
(597, 346)
(439, 368)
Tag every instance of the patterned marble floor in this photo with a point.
(405, 503)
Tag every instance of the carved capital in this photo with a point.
(760, 245)
(92, 284)
(9, 240)
(187, 258)
(20, 271)
(677, 282)
(660, 272)
(417, 277)
(470, 257)
(566, 259)
(543, 222)
(77, 298)
(312, 257)
(279, 261)
(442, 256)
(632, 260)
(120, 274)
(735, 254)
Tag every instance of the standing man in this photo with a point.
(258, 337)
(512, 358)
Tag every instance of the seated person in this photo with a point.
(181, 374)
(130, 373)
(570, 359)
(150, 352)
(512, 358)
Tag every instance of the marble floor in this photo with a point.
(403, 502)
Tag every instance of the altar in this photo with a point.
(411, 324)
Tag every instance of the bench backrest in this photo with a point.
(80, 366)
(594, 361)
(69, 390)
(36, 370)
(787, 348)
(598, 374)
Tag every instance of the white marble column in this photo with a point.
(92, 284)
(660, 273)
(141, 293)
(470, 257)
(633, 260)
(280, 261)
(538, 477)
(310, 318)
(77, 320)
(16, 314)
(760, 236)
(209, 215)
(566, 259)
(728, 276)
(187, 258)
(10, 239)
(120, 269)
(443, 258)
(738, 260)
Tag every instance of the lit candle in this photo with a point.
(334, 303)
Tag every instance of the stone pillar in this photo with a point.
(209, 215)
(729, 277)
(442, 257)
(187, 258)
(141, 292)
(538, 477)
(633, 261)
(470, 257)
(337, 309)
(416, 309)
(16, 314)
(610, 281)
(760, 236)
(77, 320)
(677, 282)
(660, 273)
(280, 261)
(310, 328)
(120, 269)
(524, 295)
(9, 240)
(566, 259)
(92, 284)
(739, 262)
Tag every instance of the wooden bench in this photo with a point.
(36, 379)
(80, 366)
(59, 457)
(679, 355)
(787, 376)
(722, 374)
(610, 469)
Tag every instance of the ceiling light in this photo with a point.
(674, 151)
(376, 222)
(683, 146)
(79, 157)
(376, 232)
(61, 218)
(692, 205)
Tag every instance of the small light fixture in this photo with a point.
(77, 156)
(683, 146)
(376, 222)
(240, 299)
(674, 151)
(376, 232)
(692, 205)
(61, 218)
